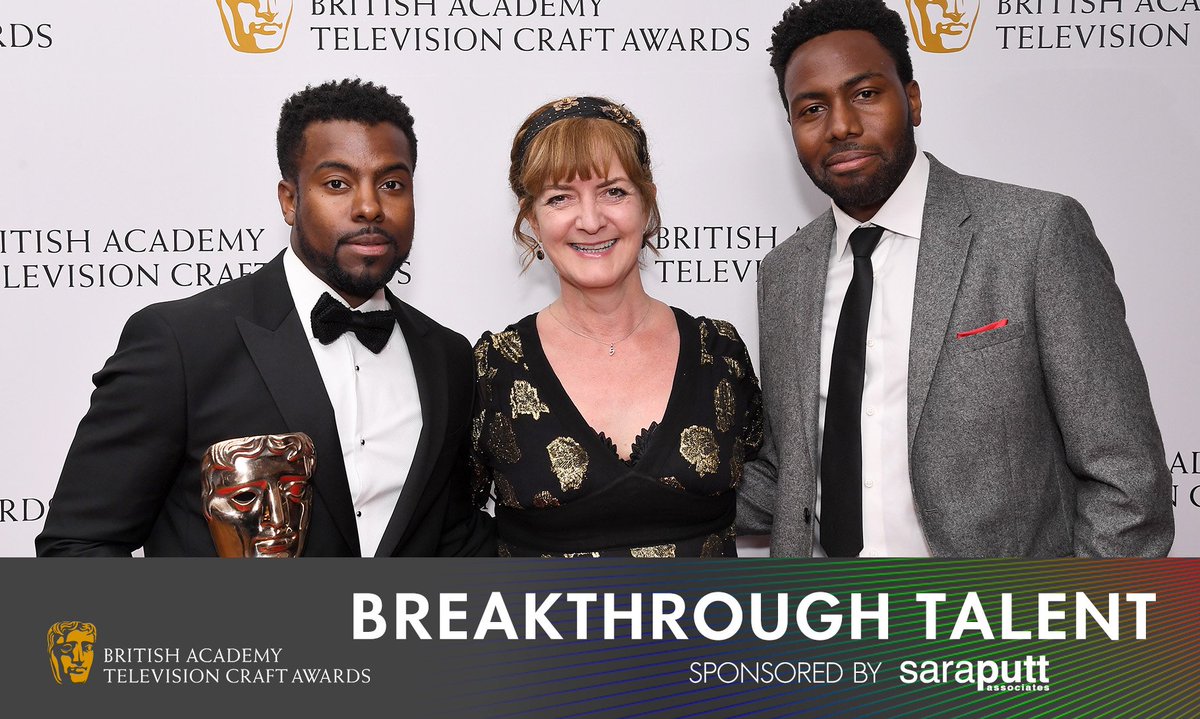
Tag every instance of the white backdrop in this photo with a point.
(123, 120)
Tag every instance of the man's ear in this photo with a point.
(914, 102)
(287, 201)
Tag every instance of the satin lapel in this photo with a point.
(278, 344)
(429, 366)
(809, 298)
(945, 242)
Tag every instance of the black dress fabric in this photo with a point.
(559, 486)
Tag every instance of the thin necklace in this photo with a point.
(612, 345)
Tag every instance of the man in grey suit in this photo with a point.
(945, 360)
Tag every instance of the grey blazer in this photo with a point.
(1033, 440)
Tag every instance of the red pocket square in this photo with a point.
(986, 328)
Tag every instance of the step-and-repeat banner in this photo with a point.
(137, 164)
(137, 149)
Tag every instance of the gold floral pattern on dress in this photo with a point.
(705, 356)
(481, 363)
(573, 555)
(714, 546)
(662, 551)
(508, 344)
(503, 550)
(723, 404)
(673, 483)
(477, 429)
(754, 421)
(569, 462)
(566, 104)
(505, 494)
(502, 441)
(524, 400)
(483, 370)
(725, 329)
(544, 500)
(698, 446)
(735, 367)
(737, 461)
(480, 482)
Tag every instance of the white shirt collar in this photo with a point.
(901, 214)
(307, 288)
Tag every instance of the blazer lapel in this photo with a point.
(805, 333)
(940, 261)
(277, 342)
(429, 367)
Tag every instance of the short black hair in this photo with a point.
(352, 100)
(812, 18)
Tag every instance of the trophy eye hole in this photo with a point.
(244, 498)
(296, 491)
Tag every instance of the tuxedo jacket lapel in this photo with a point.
(945, 242)
(276, 340)
(429, 367)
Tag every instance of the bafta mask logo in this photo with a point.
(256, 494)
(256, 26)
(942, 26)
(71, 646)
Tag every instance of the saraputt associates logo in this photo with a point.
(942, 26)
(256, 26)
(71, 646)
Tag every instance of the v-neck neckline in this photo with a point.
(688, 351)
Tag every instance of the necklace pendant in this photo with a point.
(612, 349)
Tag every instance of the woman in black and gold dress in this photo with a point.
(609, 423)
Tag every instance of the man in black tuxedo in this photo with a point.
(313, 342)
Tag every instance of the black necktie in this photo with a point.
(841, 448)
(331, 318)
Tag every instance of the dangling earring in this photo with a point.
(538, 252)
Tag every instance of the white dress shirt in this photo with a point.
(375, 404)
(889, 514)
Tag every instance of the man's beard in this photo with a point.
(879, 187)
(363, 286)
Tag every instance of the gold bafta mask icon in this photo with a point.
(71, 646)
(942, 26)
(256, 494)
(256, 25)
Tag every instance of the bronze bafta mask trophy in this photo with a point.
(257, 499)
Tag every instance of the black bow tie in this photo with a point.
(331, 318)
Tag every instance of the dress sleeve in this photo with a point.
(724, 346)
(752, 428)
(482, 480)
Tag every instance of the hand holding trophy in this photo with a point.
(256, 494)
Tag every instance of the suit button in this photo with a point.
(361, 442)
(358, 513)
(807, 516)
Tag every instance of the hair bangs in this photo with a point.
(579, 148)
(582, 148)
